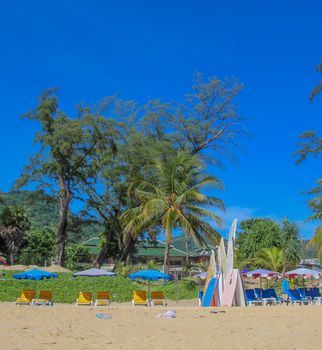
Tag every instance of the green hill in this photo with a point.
(43, 212)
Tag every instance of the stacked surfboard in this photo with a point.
(224, 284)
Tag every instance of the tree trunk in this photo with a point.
(64, 202)
(103, 254)
(166, 261)
(127, 248)
(11, 258)
(187, 249)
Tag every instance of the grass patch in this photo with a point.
(66, 287)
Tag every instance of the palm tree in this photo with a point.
(316, 205)
(318, 88)
(14, 223)
(269, 258)
(316, 241)
(170, 197)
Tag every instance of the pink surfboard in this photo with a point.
(230, 288)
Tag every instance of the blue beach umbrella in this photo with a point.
(35, 275)
(150, 275)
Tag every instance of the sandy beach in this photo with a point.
(71, 327)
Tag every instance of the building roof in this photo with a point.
(194, 249)
(93, 245)
(143, 248)
(156, 249)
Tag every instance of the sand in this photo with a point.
(70, 327)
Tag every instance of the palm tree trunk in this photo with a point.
(186, 244)
(166, 262)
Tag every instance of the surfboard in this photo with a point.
(208, 296)
(240, 299)
(231, 245)
(230, 288)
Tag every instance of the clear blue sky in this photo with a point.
(150, 49)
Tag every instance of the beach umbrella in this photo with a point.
(150, 275)
(35, 275)
(303, 272)
(94, 273)
(261, 273)
(202, 275)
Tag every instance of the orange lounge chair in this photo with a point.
(84, 298)
(45, 298)
(139, 298)
(26, 297)
(158, 298)
(103, 299)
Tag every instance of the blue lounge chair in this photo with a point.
(200, 296)
(251, 298)
(270, 297)
(258, 292)
(294, 296)
(314, 294)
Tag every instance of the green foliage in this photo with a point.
(269, 258)
(14, 222)
(124, 270)
(66, 288)
(76, 255)
(169, 196)
(42, 211)
(153, 265)
(40, 247)
(290, 245)
(255, 235)
(15, 216)
(316, 241)
(318, 88)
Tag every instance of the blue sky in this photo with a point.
(150, 49)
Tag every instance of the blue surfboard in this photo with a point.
(209, 292)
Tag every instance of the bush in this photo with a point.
(66, 288)
(40, 247)
(76, 256)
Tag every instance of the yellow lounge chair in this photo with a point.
(84, 298)
(139, 298)
(103, 299)
(45, 298)
(26, 297)
(158, 298)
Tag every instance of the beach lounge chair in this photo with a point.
(45, 298)
(26, 297)
(251, 298)
(314, 294)
(84, 298)
(158, 298)
(103, 299)
(139, 298)
(294, 297)
(200, 296)
(258, 292)
(269, 296)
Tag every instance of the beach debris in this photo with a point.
(103, 315)
(168, 314)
